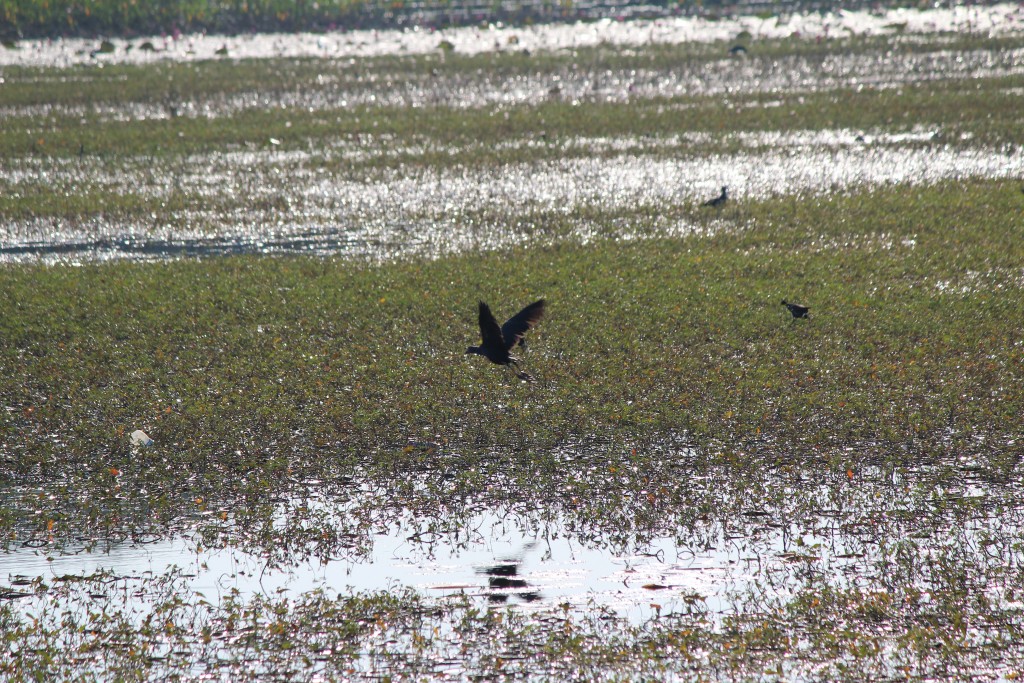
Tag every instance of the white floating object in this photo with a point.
(141, 438)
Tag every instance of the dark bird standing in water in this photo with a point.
(497, 342)
(797, 310)
(720, 199)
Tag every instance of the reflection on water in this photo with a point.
(504, 578)
(496, 561)
(806, 547)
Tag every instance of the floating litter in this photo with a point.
(141, 438)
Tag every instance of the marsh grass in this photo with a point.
(249, 370)
(108, 83)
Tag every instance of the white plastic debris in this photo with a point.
(141, 438)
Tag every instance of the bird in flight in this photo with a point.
(497, 342)
(720, 199)
(797, 310)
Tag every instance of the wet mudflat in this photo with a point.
(697, 485)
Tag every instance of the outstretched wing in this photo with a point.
(513, 330)
(490, 333)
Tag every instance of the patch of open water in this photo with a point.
(498, 560)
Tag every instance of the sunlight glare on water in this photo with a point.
(726, 76)
(984, 20)
(497, 562)
(511, 560)
(430, 211)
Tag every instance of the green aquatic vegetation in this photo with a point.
(961, 112)
(272, 77)
(248, 371)
(166, 109)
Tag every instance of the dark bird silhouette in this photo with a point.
(797, 310)
(719, 200)
(497, 342)
(504, 575)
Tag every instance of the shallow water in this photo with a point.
(533, 570)
(291, 202)
(841, 525)
(501, 561)
(341, 85)
(429, 211)
(1000, 19)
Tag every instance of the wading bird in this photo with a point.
(497, 342)
(720, 199)
(797, 310)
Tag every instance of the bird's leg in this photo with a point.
(521, 374)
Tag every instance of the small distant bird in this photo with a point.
(497, 342)
(719, 200)
(797, 310)
(737, 50)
